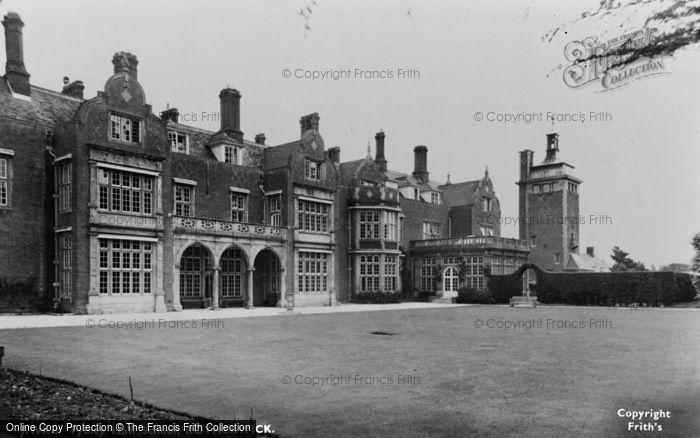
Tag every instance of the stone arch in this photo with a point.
(243, 248)
(267, 278)
(182, 246)
(196, 275)
(234, 270)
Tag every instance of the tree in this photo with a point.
(696, 259)
(676, 267)
(624, 263)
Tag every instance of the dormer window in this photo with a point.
(126, 129)
(232, 155)
(312, 170)
(487, 204)
(435, 198)
(178, 142)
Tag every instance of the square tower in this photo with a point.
(549, 207)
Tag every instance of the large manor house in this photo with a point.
(106, 206)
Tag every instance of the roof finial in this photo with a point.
(448, 179)
(369, 153)
(487, 171)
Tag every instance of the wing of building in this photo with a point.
(106, 206)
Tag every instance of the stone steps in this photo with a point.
(523, 301)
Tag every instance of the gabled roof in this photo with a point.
(459, 193)
(585, 262)
(405, 180)
(45, 106)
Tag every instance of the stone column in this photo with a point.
(215, 288)
(249, 289)
(157, 277)
(399, 283)
(381, 272)
(282, 302)
(330, 281)
(177, 306)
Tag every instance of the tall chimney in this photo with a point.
(15, 72)
(552, 146)
(334, 154)
(231, 113)
(309, 122)
(126, 62)
(525, 163)
(420, 169)
(74, 89)
(379, 151)
(523, 207)
(171, 114)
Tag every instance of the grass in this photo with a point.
(467, 381)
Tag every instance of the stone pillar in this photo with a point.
(332, 300)
(177, 306)
(399, 265)
(157, 277)
(282, 302)
(249, 290)
(381, 272)
(215, 288)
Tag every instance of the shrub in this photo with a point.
(425, 295)
(20, 296)
(468, 295)
(378, 297)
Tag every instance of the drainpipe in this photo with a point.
(49, 150)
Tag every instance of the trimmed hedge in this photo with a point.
(468, 295)
(599, 288)
(378, 297)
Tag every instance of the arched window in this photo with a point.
(450, 280)
(194, 265)
(233, 267)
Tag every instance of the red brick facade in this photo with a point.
(110, 207)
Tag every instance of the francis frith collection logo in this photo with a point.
(613, 63)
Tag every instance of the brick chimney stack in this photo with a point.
(590, 251)
(379, 158)
(15, 72)
(309, 122)
(525, 163)
(260, 139)
(172, 114)
(231, 113)
(126, 62)
(74, 89)
(334, 154)
(421, 163)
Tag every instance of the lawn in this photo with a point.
(456, 379)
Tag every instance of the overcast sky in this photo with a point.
(639, 163)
